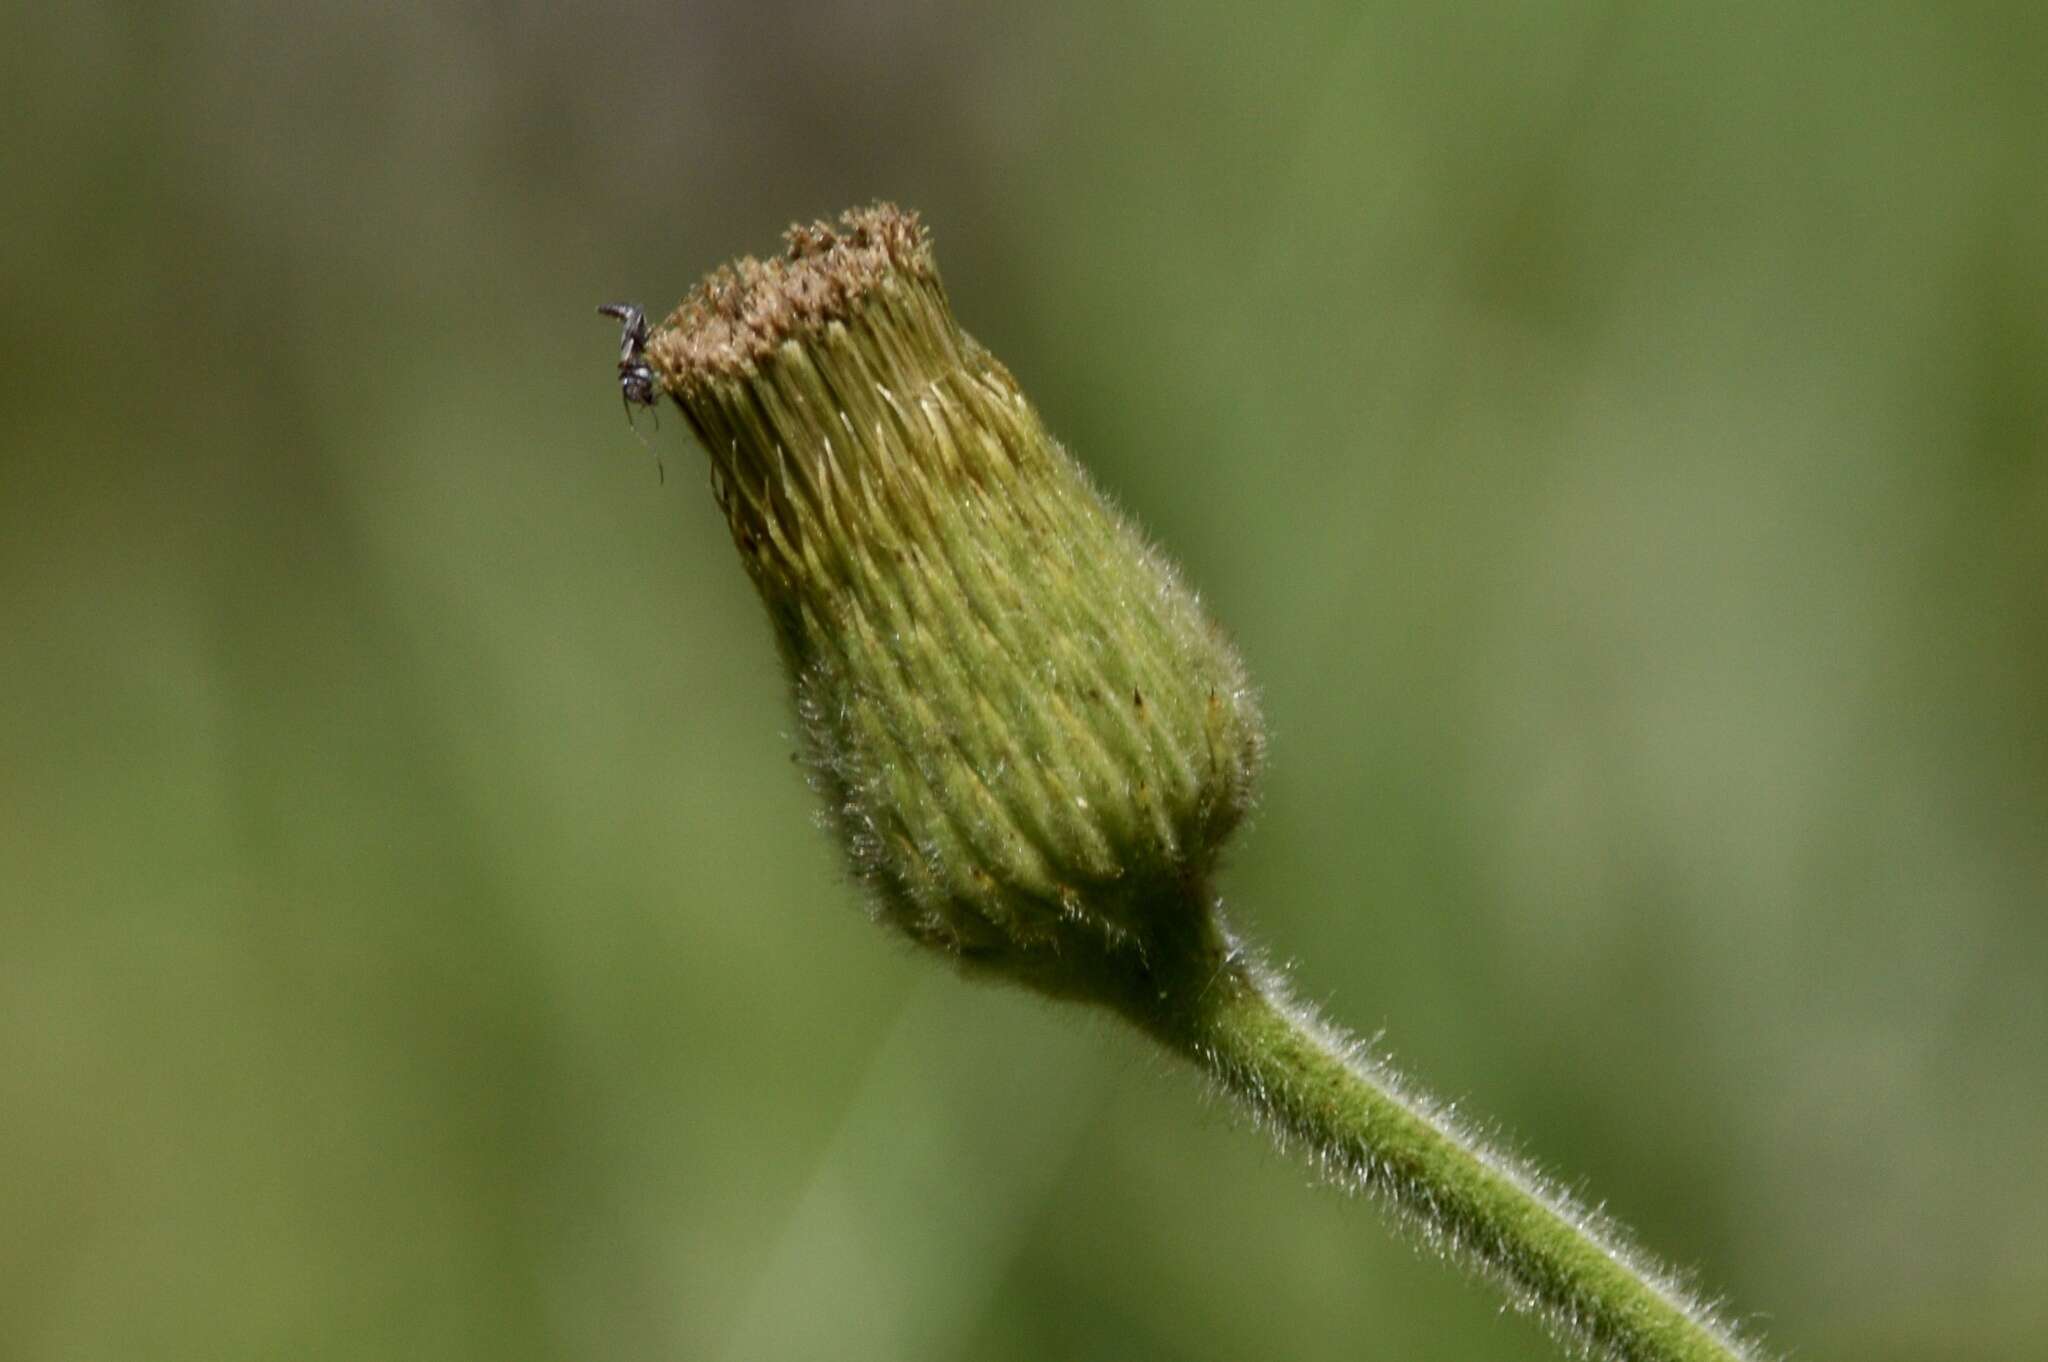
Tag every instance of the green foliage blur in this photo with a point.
(1618, 441)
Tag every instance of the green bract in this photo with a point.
(1030, 740)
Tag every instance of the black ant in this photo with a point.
(638, 386)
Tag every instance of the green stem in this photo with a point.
(1366, 1128)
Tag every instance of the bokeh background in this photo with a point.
(1617, 439)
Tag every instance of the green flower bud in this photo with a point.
(1030, 740)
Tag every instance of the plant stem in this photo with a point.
(1364, 1127)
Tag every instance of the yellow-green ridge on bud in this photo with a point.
(1031, 741)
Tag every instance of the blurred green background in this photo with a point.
(1618, 440)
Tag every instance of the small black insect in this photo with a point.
(637, 384)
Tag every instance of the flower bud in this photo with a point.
(1030, 740)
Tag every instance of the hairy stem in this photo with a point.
(1366, 1128)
